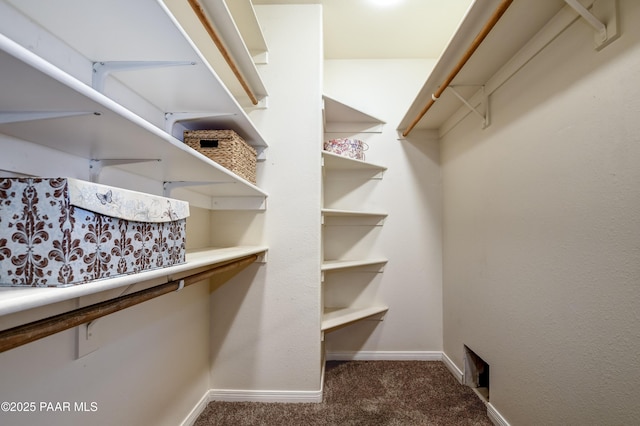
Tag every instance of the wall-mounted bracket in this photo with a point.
(102, 69)
(96, 166)
(171, 118)
(603, 17)
(20, 116)
(169, 186)
(485, 100)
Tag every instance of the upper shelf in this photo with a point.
(236, 24)
(143, 31)
(103, 130)
(341, 118)
(515, 29)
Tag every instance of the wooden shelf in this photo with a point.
(337, 317)
(341, 118)
(334, 265)
(17, 299)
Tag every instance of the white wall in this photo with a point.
(266, 322)
(410, 192)
(541, 235)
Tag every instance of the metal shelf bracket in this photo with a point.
(8, 117)
(102, 69)
(96, 166)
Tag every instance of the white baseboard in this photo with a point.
(197, 410)
(264, 396)
(385, 356)
(495, 416)
(316, 396)
(457, 373)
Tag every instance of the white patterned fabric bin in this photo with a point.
(352, 148)
(57, 232)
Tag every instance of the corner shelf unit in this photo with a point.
(341, 118)
(68, 111)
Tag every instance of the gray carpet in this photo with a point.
(367, 393)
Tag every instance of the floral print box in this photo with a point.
(61, 231)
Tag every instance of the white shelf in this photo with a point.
(145, 30)
(336, 317)
(17, 299)
(517, 27)
(245, 18)
(341, 118)
(107, 131)
(334, 265)
(236, 24)
(350, 213)
(333, 161)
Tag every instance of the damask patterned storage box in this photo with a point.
(61, 231)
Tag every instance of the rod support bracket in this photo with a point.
(603, 18)
(485, 100)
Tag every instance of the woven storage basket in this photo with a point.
(226, 148)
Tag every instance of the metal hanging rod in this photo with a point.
(202, 16)
(27, 333)
(488, 26)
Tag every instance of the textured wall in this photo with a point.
(541, 235)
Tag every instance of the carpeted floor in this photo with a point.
(366, 393)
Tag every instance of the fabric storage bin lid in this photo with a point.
(125, 204)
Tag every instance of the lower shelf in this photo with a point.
(16, 299)
(336, 317)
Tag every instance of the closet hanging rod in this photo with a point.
(202, 16)
(488, 26)
(27, 333)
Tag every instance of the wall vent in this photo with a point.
(476, 373)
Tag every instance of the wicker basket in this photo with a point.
(226, 148)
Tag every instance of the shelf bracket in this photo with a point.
(102, 69)
(171, 118)
(96, 166)
(607, 31)
(485, 101)
(20, 116)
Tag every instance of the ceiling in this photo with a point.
(359, 29)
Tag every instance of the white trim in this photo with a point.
(495, 416)
(385, 356)
(264, 396)
(453, 368)
(197, 410)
